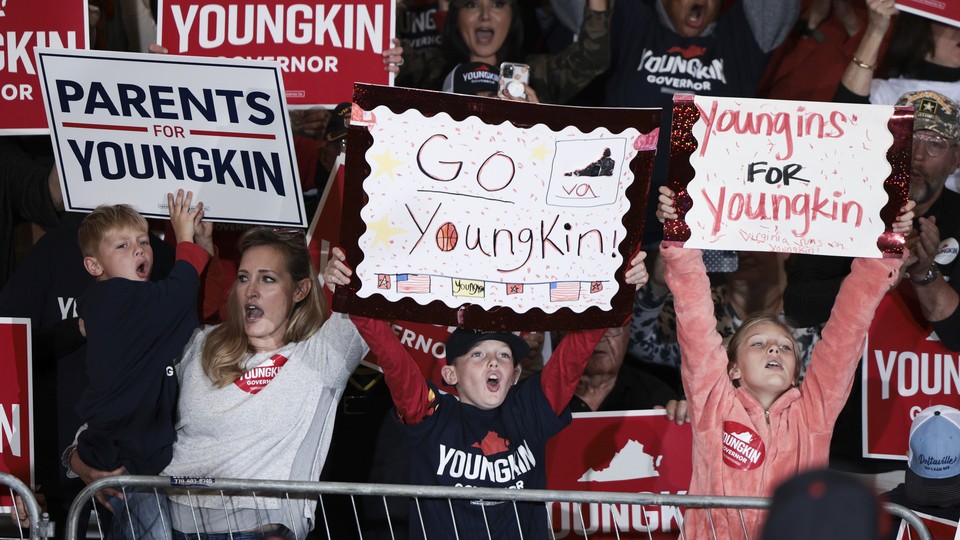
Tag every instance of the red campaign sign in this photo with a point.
(323, 47)
(426, 343)
(60, 23)
(630, 451)
(16, 403)
(945, 11)
(940, 529)
(906, 369)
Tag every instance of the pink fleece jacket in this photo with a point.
(740, 449)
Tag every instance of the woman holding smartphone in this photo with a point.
(491, 32)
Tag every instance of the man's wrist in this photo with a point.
(932, 273)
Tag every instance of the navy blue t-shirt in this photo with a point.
(461, 445)
(651, 63)
(135, 332)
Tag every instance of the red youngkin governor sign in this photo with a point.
(905, 370)
(60, 23)
(323, 47)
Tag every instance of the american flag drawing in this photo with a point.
(413, 283)
(566, 291)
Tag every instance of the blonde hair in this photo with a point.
(104, 219)
(227, 346)
(738, 337)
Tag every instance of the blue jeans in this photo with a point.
(281, 533)
(140, 515)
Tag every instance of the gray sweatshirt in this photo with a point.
(281, 432)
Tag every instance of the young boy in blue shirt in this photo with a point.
(494, 434)
(135, 330)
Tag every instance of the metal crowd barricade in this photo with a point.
(226, 488)
(26, 505)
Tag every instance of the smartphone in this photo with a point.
(721, 261)
(512, 78)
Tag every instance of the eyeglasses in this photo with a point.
(935, 147)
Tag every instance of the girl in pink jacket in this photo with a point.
(754, 426)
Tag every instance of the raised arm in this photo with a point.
(560, 376)
(559, 77)
(859, 73)
(701, 346)
(411, 395)
(836, 356)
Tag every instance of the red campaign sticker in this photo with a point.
(255, 379)
(743, 449)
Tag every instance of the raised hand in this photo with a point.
(337, 272)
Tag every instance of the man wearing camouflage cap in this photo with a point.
(936, 131)
(813, 281)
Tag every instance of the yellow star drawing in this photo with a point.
(382, 231)
(540, 152)
(386, 164)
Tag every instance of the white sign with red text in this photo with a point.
(322, 47)
(23, 26)
(494, 215)
(787, 176)
(130, 128)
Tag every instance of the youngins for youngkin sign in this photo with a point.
(788, 176)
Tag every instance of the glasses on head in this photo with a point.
(934, 146)
(289, 232)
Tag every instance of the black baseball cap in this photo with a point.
(338, 122)
(462, 340)
(473, 79)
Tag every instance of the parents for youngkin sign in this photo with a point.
(132, 127)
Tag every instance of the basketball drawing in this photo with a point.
(447, 236)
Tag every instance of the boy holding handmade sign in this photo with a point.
(495, 434)
(751, 435)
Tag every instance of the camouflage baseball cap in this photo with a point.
(933, 111)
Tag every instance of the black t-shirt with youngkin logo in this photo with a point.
(651, 63)
(461, 445)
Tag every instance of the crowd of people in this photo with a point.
(143, 346)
